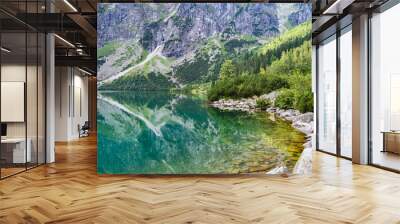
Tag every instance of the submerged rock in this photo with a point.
(302, 122)
(247, 105)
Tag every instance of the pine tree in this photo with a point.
(227, 70)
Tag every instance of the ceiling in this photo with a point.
(331, 15)
(73, 22)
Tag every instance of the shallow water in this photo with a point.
(166, 133)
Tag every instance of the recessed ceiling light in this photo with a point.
(84, 71)
(64, 40)
(70, 5)
(5, 50)
(337, 7)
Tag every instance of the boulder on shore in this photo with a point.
(302, 122)
(270, 96)
(305, 118)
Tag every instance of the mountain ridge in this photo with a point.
(184, 31)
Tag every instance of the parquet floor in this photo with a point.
(70, 191)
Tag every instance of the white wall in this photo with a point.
(80, 109)
(12, 73)
(71, 102)
(62, 81)
(33, 126)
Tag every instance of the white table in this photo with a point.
(19, 153)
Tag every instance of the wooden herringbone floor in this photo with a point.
(70, 191)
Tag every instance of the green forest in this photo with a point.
(283, 65)
(230, 68)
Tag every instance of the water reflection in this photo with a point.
(165, 133)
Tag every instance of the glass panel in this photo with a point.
(31, 98)
(23, 90)
(13, 87)
(41, 99)
(327, 96)
(346, 93)
(385, 87)
(32, 88)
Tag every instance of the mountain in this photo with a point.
(162, 46)
(302, 13)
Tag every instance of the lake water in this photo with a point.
(165, 133)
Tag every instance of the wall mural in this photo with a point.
(203, 88)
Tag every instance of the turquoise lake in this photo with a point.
(171, 133)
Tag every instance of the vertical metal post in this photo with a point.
(369, 96)
(37, 89)
(26, 85)
(317, 97)
(338, 74)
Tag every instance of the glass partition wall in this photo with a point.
(334, 93)
(327, 96)
(22, 77)
(345, 90)
(334, 105)
(385, 90)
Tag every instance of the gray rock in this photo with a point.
(289, 114)
(278, 170)
(307, 117)
(181, 28)
(304, 164)
(308, 144)
(270, 96)
(271, 110)
(302, 122)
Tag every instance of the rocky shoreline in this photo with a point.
(304, 122)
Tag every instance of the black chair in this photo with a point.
(84, 130)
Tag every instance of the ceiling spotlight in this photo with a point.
(79, 51)
(70, 5)
(65, 41)
(5, 50)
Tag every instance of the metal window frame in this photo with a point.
(44, 75)
(339, 32)
(388, 5)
